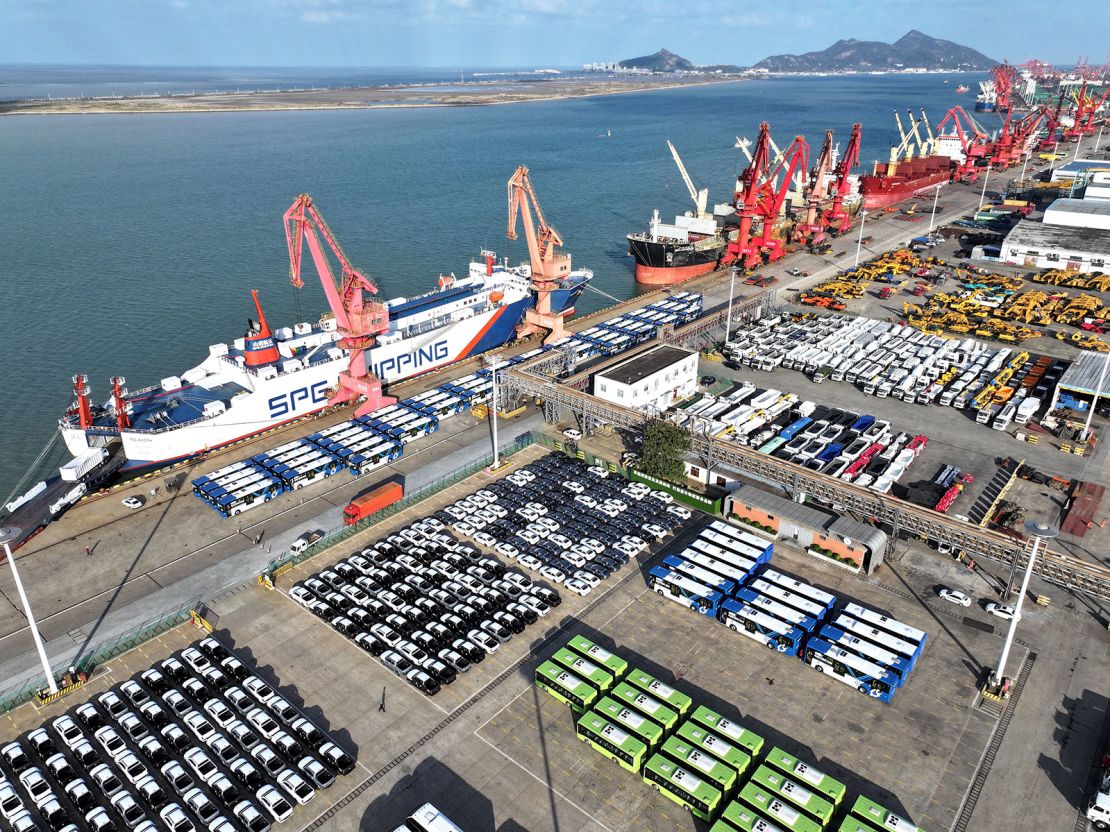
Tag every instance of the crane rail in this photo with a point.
(1056, 567)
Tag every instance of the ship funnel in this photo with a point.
(259, 348)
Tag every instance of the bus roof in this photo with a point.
(882, 622)
(685, 583)
(769, 605)
(806, 774)
(791, 599)
(860, 665)
(869, 650)
(880, 637)
(708, 765)
(645, 681)
(825, 599)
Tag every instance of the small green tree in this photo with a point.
(664, 449)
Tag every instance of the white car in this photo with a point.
(507, 550)
(532, 562)
(535, 605)
(132, 502)
(954, 596)
(1004, 611)
(574, 486)
(553, 573)
(598, 471)
(274, 803)
(681, 512)
(486, 539)
(296, 786)
(484, 640)
(577, 586)
(175, 819)
(572, 434)
(587, 577)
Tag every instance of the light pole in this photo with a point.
(731, 292)
(933, 216)
(7, 535)
(986, 178)
(859, 240)
(1078, 142)
(493, 362)
(1040, 532)
(1024, 166)
(1098, 141)
(1094, 399)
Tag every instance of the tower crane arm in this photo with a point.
(700, 197)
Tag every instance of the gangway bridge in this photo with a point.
(538, 378)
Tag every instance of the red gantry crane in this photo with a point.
(760, 193)
(837, 219)
(1086, 106)
(811, 229)
(1004, 76)
(1012, 142)
(973, 142)
(550, 267)
(358, 318)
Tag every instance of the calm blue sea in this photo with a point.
(130, 243)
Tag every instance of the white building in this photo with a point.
(1079, 169)
(1039, 245)
(1079, 213)
(654, 379)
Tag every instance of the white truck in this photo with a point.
(76, 469)
(304, 541)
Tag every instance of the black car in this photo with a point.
(546, 594)
(431, 608)
(370, 643)
(400, 623)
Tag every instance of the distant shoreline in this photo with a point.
(479, 94)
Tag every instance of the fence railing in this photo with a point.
(87, 660)
(337, 535)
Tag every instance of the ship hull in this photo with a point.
(984, 107)
(661, 264)
(913, 178)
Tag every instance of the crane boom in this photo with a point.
(358, 319)
(701, 198)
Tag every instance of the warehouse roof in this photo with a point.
(645, 364)
(1079, 206)
(1080, 165)
(843, 527)
(1083, 374)
(1038, 235)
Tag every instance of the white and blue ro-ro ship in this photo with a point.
(232, 395)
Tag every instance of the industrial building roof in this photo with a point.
(1066, 239)
(844, 527)
(1080, 165)
(1079, 206)
(1083, 374)
(645, 364)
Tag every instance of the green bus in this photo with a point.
(712, 744)
(597, 676)
(701, 763)
(595, 653)
(677, 784)
(611, 741)
(639, 701)
(811, 803)
(740, 818)
(882, 817)
(676, 700)
(645, 730)
(854, 824)
(748, 740)
(566, 687)
(832, 790)
(776, 810)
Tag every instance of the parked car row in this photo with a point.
(424, 604)
(196, 742)
(570, 522)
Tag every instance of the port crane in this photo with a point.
(760, 195)
(358, 318)
(550, 267)
(972, 139)
(701, 198)
(1012, 143)
(811, 230)
(1004, 76)
(1086, 106)
(837, 219)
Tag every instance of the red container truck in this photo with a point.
(373, 500)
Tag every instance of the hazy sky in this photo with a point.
(535, 33)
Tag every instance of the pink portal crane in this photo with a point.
(358, 318)
(550, 267)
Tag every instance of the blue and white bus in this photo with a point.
(696, 596)
(791, 599)
(885, 640)
(761, 544)
(898, 665)
(731, 543)
(865, 676)
(903, 632)
(735, 574)
(740, 561)
(781, 611)
(247, 495)
(817, 596)
(711, 579)
(759, 626)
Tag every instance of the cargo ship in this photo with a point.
(892, 182)
(269, 377)
(690, 247)
(987, 99)
(696, 243)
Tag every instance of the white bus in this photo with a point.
(791, 599)
(818, 596)
(428, 819)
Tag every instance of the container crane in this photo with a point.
(550, 267)
(1085, 108)
(837, 219)
(811, 230)
(357, 318)
(760, 194)
(701, 198)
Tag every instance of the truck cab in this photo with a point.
(1098, 810)
(304, 541)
